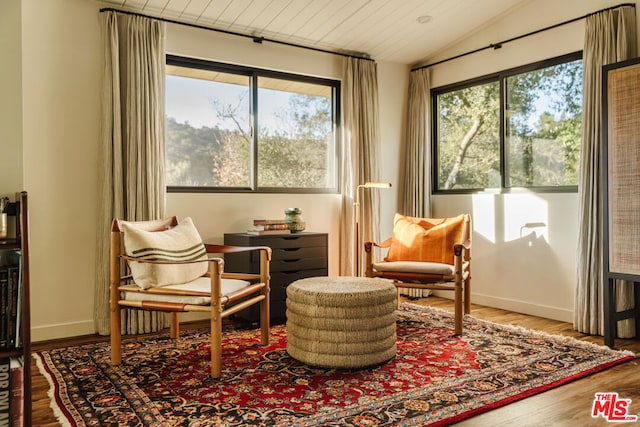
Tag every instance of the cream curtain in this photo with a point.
(416, 185)
(361, 141)
(610, 36)
(132, 156)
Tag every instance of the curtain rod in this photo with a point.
(256, 39)
(499, 44)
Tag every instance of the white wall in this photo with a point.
(393, 89)
(11, 99)
(61, 69)
(512, 268)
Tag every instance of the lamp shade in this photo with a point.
(377, 185)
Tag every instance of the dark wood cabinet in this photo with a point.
(294, 256)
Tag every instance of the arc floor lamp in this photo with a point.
(357, 216)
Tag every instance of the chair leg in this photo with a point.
(174, 325)
(467, 296)
(116, 339)
(457, 300)
(264, 321)
(216, 343)
(265, 304)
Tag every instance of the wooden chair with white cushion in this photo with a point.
(168, 269)
(428, 253)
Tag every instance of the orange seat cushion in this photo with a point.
(425, 239)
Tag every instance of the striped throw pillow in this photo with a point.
(180, 243)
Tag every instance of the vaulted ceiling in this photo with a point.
(403, 31)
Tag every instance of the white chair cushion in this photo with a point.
(415, 267)
(180, 243)
(201, 284)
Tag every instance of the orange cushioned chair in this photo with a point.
(168, 269)
(428, 253)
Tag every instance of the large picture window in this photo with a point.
(241, 129)
(519, 128)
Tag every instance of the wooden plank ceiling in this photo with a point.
(386, 30)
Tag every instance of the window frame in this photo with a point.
(253, 74)
(499, 77)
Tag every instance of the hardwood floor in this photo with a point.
(568, 405)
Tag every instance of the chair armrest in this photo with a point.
(226, 249)
(459, 247)
(370, 244)
(368, 254)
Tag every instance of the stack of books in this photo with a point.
(10, 307)
(269, 226)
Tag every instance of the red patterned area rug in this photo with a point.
(435, 379)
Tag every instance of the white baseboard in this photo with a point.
(62, 330)
(548, 312)
(75, 329)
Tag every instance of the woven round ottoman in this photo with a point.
(341, 322)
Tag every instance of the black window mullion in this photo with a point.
(434, 144)
(337, 126)
(504, 168)
(254, 130)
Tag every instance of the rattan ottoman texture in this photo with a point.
(341, 322)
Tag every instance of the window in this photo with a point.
(518, 128)
(241, 129)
